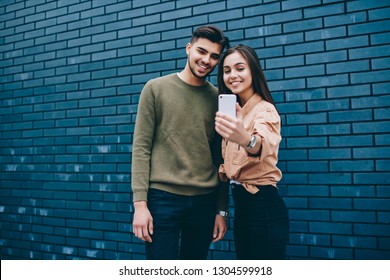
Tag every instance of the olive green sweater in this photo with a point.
(175, 146)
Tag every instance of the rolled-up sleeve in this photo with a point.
(267, 126)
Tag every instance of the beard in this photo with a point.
(193, 71)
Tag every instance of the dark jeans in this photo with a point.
(188, 219)
(260, 224)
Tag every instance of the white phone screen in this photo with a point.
(227, 104)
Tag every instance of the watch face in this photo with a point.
(252, 144)
(224, 213)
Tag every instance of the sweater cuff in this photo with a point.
(140, 196)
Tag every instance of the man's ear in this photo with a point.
(188, 47)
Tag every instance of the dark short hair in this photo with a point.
(212, 33)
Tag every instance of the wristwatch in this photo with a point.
(252, 143)
(224, 214)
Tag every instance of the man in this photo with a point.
(176, 152)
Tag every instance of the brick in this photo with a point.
(328, 105)
(335, 153)
(383, 165)
(380, 38)
(331, 227)
(91, 48)
(353, 216)
(324, 10)
(325, 33)
(384, 217)
(296, 202)
(347, 67)
(353, 191)
(353, 241)
(294, 179)
(347, 91)
(261, 9)
(350, 141)
(367, 128)
(371, 178)
(331, 178)
(331, 253)
(292, 107)
(297, 251)
(286, 85)
(263, 31)
(283, 17)
(381, 63)
(381, 114)
(329, 80)
(358, 41)
(305, 71)
(372, 255)
(307, 166)
(295, 4)
(363, 5)
(307, 119)
(309, 215)
(367, 28)
(382, 139)
(371, 229)
(282, 39)
(329, 129)
(305, 94)
(378, 14)
(307, 142)
(350, 115)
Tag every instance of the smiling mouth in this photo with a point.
(235, 83)
(202, 66)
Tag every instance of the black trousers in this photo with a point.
(261, 225)
(183, 225)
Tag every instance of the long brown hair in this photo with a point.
(259, 82)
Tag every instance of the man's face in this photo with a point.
(203, 56)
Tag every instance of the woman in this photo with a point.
(250, 150)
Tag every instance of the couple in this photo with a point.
(180, 173)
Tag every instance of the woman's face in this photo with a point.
(237, 75)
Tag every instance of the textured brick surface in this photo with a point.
(70, 77)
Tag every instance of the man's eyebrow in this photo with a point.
(204, 50)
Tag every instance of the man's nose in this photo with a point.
(206, 59)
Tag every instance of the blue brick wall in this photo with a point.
(71, 73)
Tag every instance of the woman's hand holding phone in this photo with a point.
(232, 127)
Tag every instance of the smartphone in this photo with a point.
(227, 104)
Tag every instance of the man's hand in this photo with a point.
(142, 221)
(220, 228)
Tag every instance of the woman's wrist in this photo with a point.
(246, 140)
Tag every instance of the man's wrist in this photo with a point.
(140, 204)
(223, 213)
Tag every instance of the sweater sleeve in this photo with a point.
(223, 187)
(142, 143)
